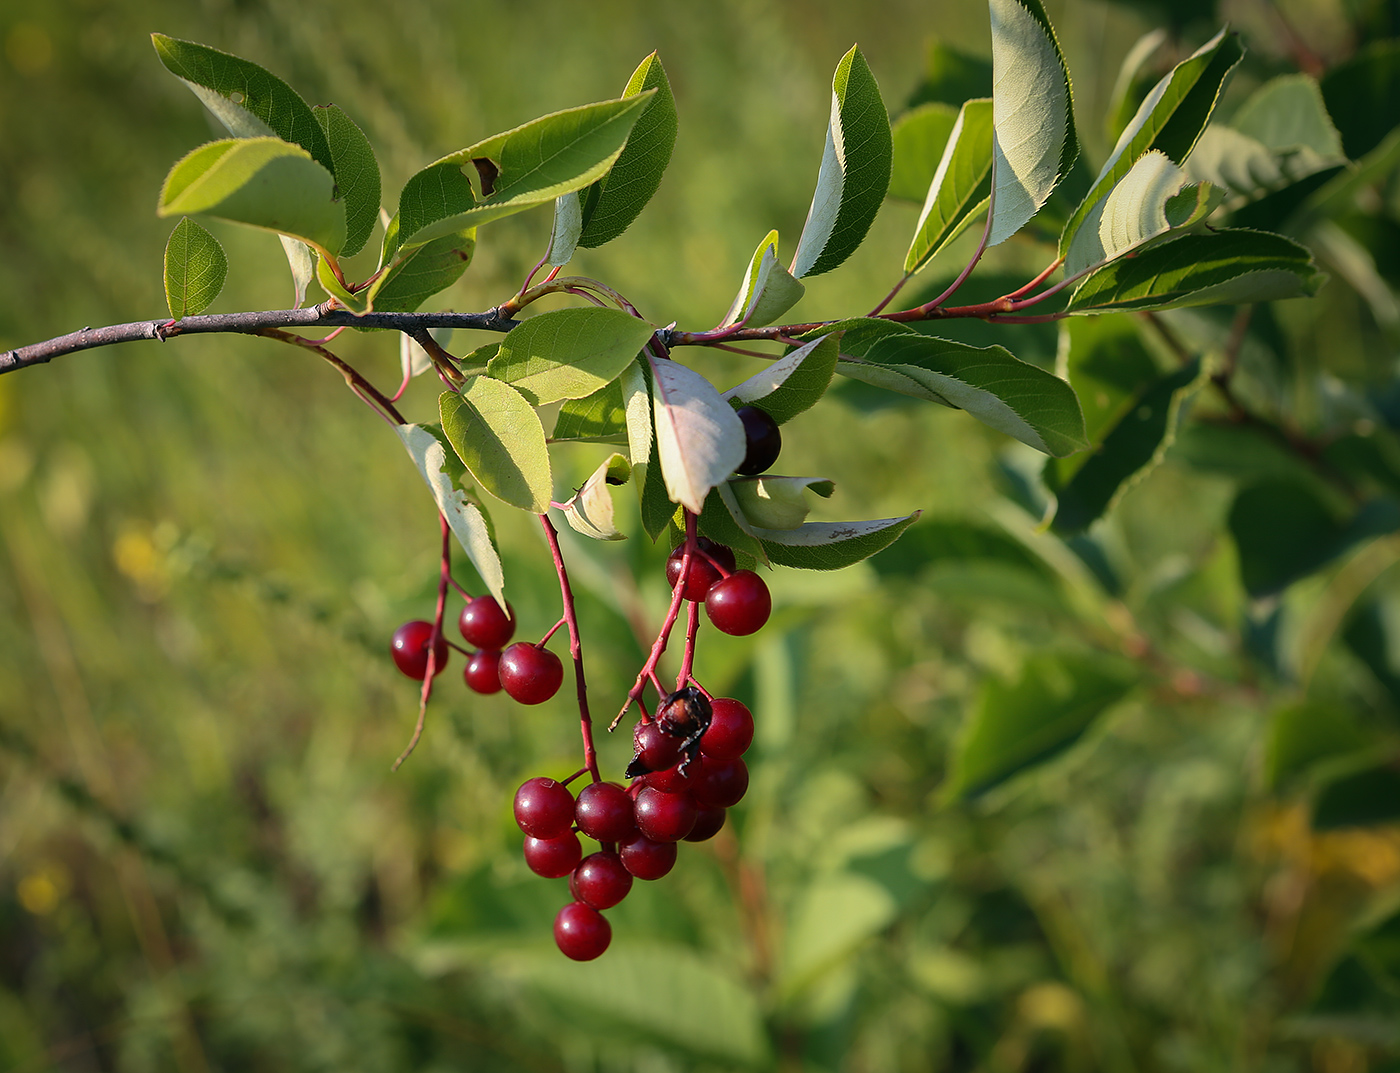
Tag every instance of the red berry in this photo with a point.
(739, 604)
(664, 817)
(703, 573)
(553, 858)
(723, 783)
(530, 674)
(646, 859)
(410, 649)
(483, 671)
(544, 808)
(581, 932)
(762, 440)
(604, 812)
(485, 625)
(707, 825)
(730, 732)
(656, 750)
(672, 780)
(600, 880)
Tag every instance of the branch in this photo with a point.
(325, 315)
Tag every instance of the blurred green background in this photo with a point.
(205, 862)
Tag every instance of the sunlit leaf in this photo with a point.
(794, 382)
(498, 436)
(590, 509)
(356, 175)
(599, 418)
(700, 440)
(195, 269)
(418, 274)
(768, 290)
(831, 545)
(568, 225)
(770, 502)
(568, 353)
(958, 190)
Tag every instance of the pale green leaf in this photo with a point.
(831, 545)
(1288, 113)
(356, 175)
(498, 436)
(568, 353)
(794, 382)
(413, 359)
(636, 402)
(195, 269)
(833, 918)
(770, 502)
(301, 259)
(854, 173)
(597, 418)
(700, 440)
(331, 284)
(568, 225)
(768, 290)
(590, 509)
(918, 138)
(417, 274)
(957, 186)
(723, 521)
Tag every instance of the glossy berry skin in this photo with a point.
(730, 732)
(529, 674)
(485, 625)
(410, 650)
(739, 604)
(664, 817)
(762, 440)
(702, 572)
(604, 812)
(722, 784)
(581, 932)
(482, 673)
(707, 825)
(646, 859)
(600, 880)
(544, 808)
(654, 750)
(553, 858)
(673, 780)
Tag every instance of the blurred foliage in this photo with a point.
(205, 862)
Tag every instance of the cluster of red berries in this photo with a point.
(737, 601)
(528, 673)
(687, 771)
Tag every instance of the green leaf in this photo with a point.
(1288, 113)
(465, 514)
(302, 260)
(1226, 267)
(854, 174)
(417, 274)
(859, 334)
(1022, 724)
(563, 235)
(531, 165)
(1363, 96)
(636, 402)
(831, 545)
(833, 918)
(1305, 735)
(918, 138)
(794, 382)
(1033, 114)
(700, 439)
(1000, 390)
(768, 290)
(957, 193)
(568, 353)
(356, 175)
(614, 201)
(498, 436)
(1362, 799)
(590, 509)
(263, 182)
(770, 502)
(658, 512)
(597, 418)
(1169, 121)
(195, 269)
(724, 522)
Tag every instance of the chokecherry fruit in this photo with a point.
(483, 671)
(600, 880)
(544, 808)
(581, 932)
(730, 732)
(703, 573)
(664, 817)
(553, 858)
(762, 440)
(673, 780)
(410, 649)
(604, 812)
(530, 674)
(646, 859)
(739, 604)
(655, 750)
(485, 625)
(707, 825)
(721, 784)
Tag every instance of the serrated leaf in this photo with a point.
(590, 509)
(859, 334)
(1169, 121)
(417, 274)
(831, 545)
(1000, 390)
(1018, 725)
(1225, 267)
(531, 165)
(262, 182)
(498, 436)
(918, 139)
(854, 173)
(957, 187)
(442, 470)
(597, 418)
(794, 382)
(614, 201)
(568, 353)
(195, 269)
(1034, 143)
(356, 175)
(563, 235)
(768, 290)
(700, 440)
(770, 502)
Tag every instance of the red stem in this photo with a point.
(692, 627)
(444, 576)
(590, 753)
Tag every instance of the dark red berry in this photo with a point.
(604, 812)
(485, 625)
(530, 674)
(723, 783)
(707, 825)
(553, 858)
(483, 671)
(703, 573)
(600, 880)
(655, 750)
(664, 817)
(410, 649)
(739, 604)
(762, 440)
(544, 808)
(646, 859)
(730, 732)
(581, 932)
(673, 780)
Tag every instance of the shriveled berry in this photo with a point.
(604, 812)
(553, 858)
(664, 817)
(483, 671)
(544, 808)
(410, 649)
(739, 604)
(600, 880)
(730, 732)
(707, 825)
(530, 674)
(581, 932)
(723, 783)
(703, 573)
(646, 859)
(762, 440)
(485, 625)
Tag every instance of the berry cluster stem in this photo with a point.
(444, 580)
(590, 752)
